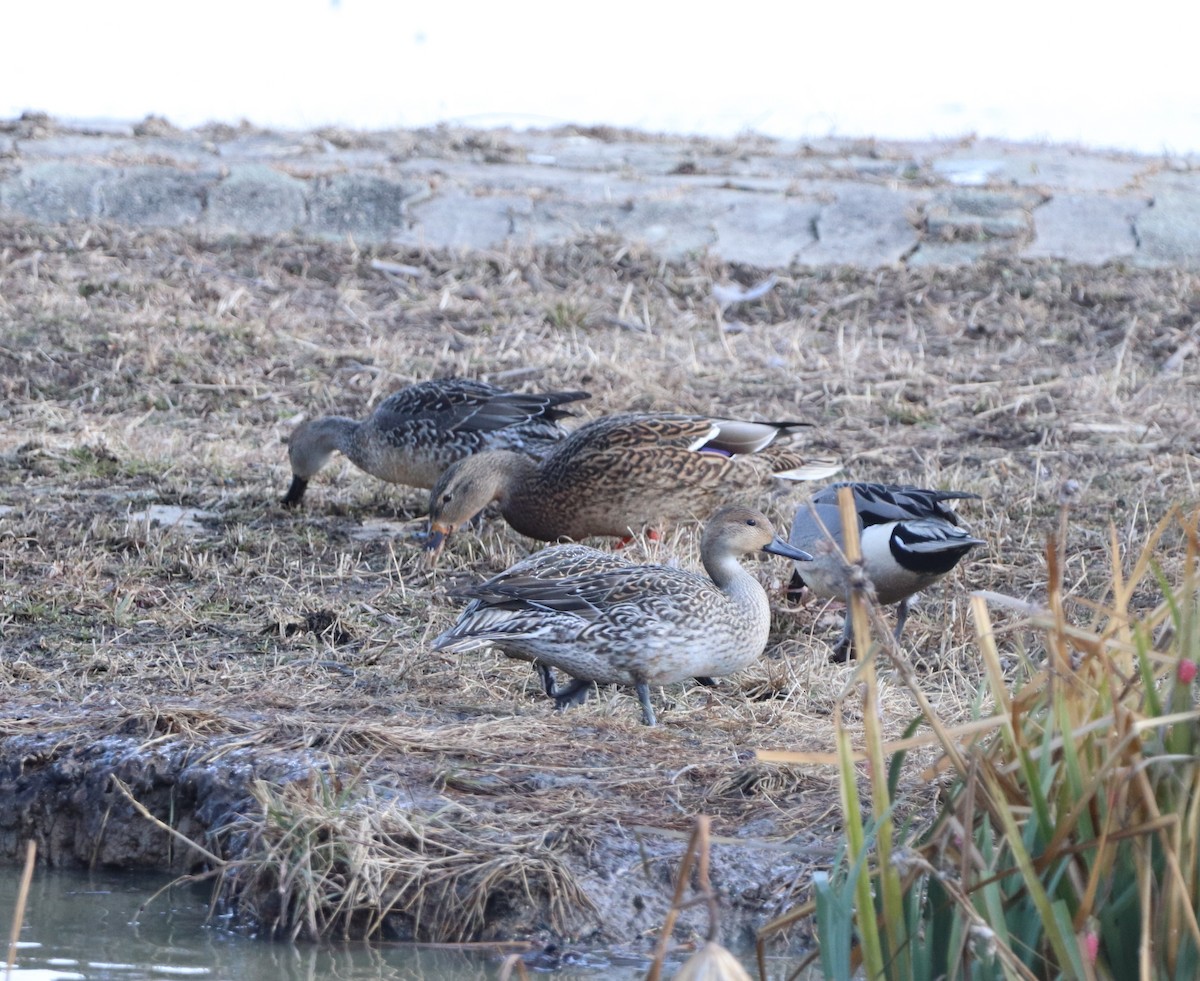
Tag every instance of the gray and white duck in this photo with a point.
(910, 538)
(416, 433)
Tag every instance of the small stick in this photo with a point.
(511, 962)
(141, 809)
(697, 848)
(19, 912)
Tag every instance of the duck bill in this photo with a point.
(435, 541)
(777, 546)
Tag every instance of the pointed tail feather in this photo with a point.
(801, 468)
(738, 436)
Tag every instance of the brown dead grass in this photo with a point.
(141, 368)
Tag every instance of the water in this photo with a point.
(82, 925)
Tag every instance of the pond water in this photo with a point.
(82, 925)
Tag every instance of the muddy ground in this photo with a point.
(261, 680)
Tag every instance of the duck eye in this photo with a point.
(445, 498)
(751, 522)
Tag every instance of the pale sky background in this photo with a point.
(1102, 74)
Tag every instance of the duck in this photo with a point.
(418, 431)
(617, 474)
(606, 621)
(910, 538)
(557, 562)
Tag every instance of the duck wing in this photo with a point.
(879, 504)
(464, 405)
(596, 595)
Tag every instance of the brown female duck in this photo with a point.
(618, 474)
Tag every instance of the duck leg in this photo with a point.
(576, 693)
(901, 616)
(844, 645)
(643, 694)
(795, 587)
(841, 650)
(546, 673)
(295, 492)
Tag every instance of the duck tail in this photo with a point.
(792, 466)
(736, 436)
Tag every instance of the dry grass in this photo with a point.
(141, 368)
(331, 860)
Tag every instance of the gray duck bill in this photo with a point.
(778, 546)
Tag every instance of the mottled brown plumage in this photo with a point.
(619, 474)
(613, 622)
(417, 432)
(557, 562)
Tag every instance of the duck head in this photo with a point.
(740, 530)
(463, 490)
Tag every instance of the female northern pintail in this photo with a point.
(618, 623)
(548, 564)
(618, 474)
(417, 432)
(910, 539)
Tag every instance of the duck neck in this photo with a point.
(518, 492)
(311, 449)
(730, 576)
(744, 593)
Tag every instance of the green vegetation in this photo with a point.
(1068, 841)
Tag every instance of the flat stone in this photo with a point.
(259, 147)
(1066, 170)
(256, 200)
(184, 151)
(673, 228)
(1169, 229)
(308, 152)
(98, 127)
(864, 224)
(998, 163)
(363, 205)
(969, 171)
(773, 186)
(870, 167)
(767, 231)
(976, 216)
(463, 221)
(366, 159)
(1087, 228)
(941, 255)
(76, 146)
(752, 200)
(189, 521)
(585, 153)
(152, 196)
(54, 192)
(476, 178)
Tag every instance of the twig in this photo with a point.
(697, 846)
(19, 912)
(140, 808)
(510, 962)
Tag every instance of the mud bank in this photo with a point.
(76, 791)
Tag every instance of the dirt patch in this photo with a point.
(165, 620)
